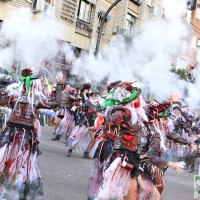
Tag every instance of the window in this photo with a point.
(129, 25)
(194, 40)
(184, 47)
(154, 11)
(188, 16)
(85, 10)
(149, 2)
(198, 12)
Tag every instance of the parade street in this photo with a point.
(67, 178)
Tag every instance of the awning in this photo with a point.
(92, 1)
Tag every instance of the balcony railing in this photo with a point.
(82, 25)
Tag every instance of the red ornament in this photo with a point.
(90, 111)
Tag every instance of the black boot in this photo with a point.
(191, 169)
(69, 153)
(186, 166)
(57, 137)
(86, 155)
(39, 152)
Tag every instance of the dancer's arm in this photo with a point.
(155, 151)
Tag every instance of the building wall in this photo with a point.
(66, 14)
(20, 3)
(195, 24)
(102, 6)
(5, 8)
(147, 11)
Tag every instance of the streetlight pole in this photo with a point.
(101, 26)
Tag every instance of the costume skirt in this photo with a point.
(19, 171)
(95, 179)
(116, 182)
(67, 123)
(77, 134)
(79, 140)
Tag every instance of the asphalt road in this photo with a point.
(67, 178)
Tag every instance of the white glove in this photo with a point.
(178, 166)
(8, 77)
(74, 108)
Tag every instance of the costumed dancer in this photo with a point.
(81, 123)
(123, 163)
(153, 165)
(85, 92)
(64, 119)
(182, 127)
(181, 121)
(93, 108)
(20, 174)
(104, 149)
(85, 125)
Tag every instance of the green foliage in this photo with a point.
(181, 73)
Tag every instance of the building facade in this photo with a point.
(189, 55)
(80, 19)
(195, 40)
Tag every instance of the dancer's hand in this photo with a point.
(174, 97)
(59, 78)
(178, 166)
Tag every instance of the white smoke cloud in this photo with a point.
(27, 40)
(148, 57)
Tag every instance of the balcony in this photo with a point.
(83, 25)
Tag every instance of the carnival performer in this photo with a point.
(123, 163)
(64, 119)
(20, 174)
(85, 125)
(152, 163)
(181, 121)
(103, 150)
(183, 127)
(85, 92)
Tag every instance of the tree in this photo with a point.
(181, 73)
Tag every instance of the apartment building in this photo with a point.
(195, 40)
(150, 10)
(80, 19)
(189, 54)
